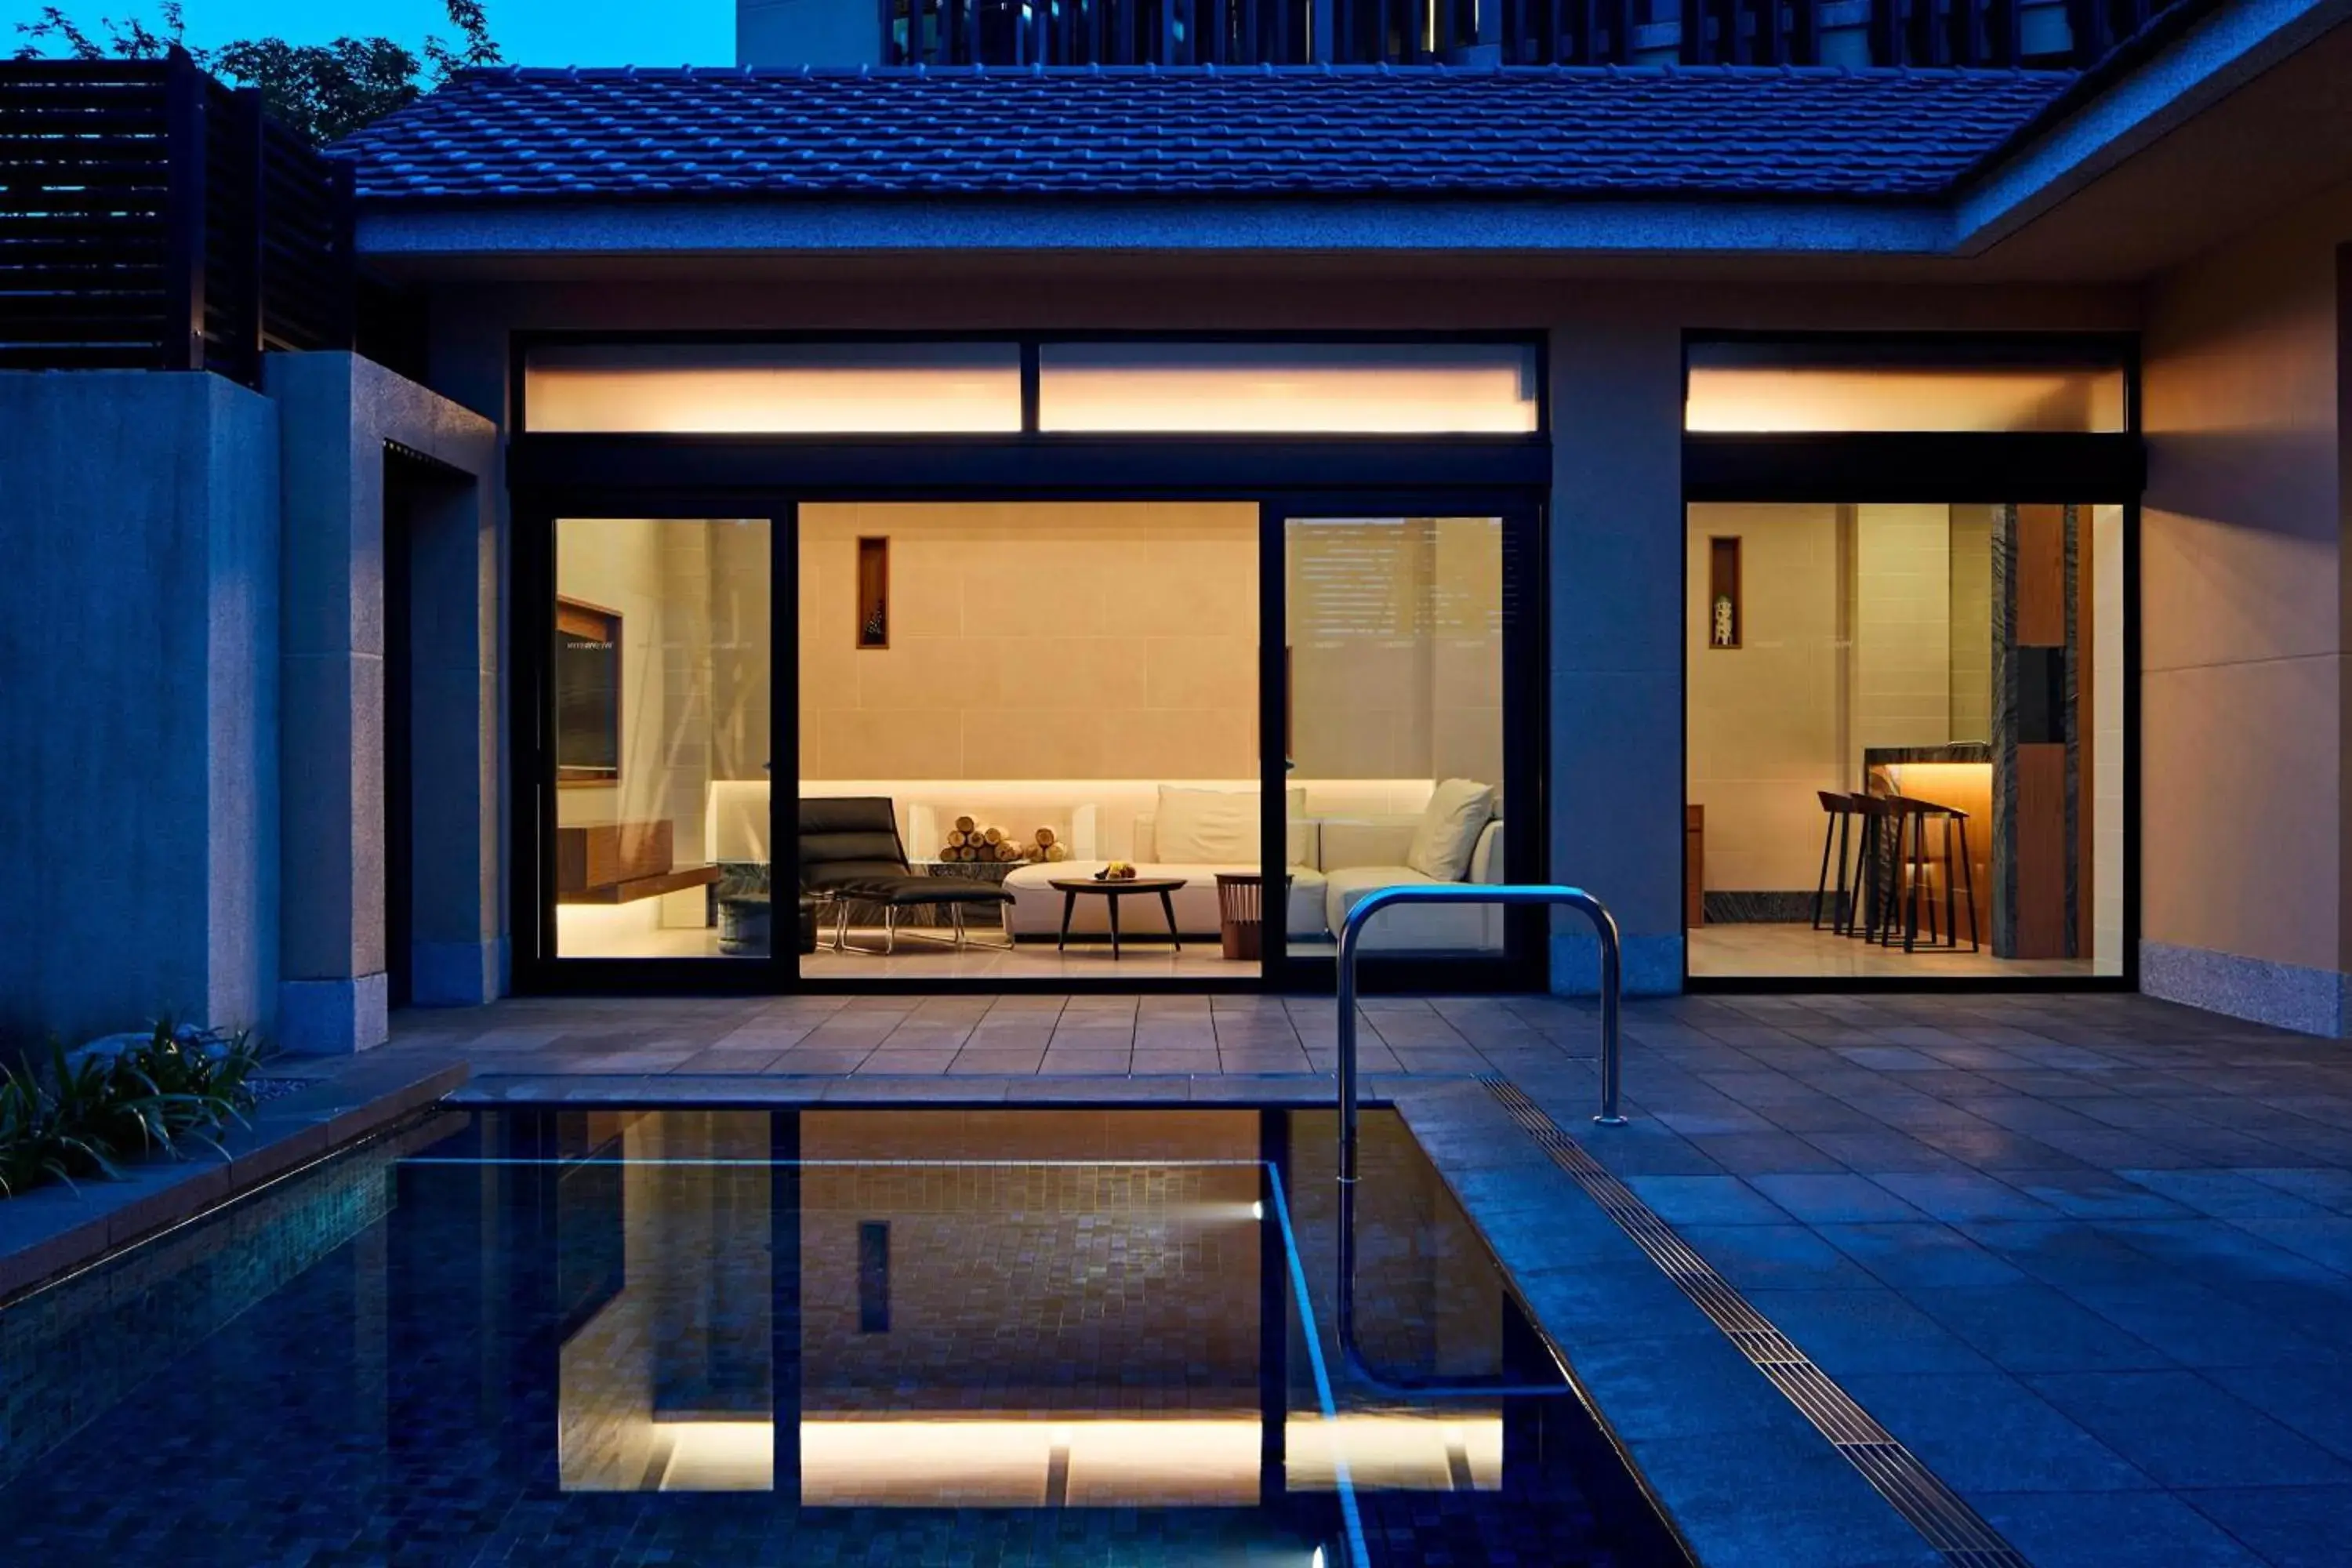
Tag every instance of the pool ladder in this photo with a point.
(1351, 929)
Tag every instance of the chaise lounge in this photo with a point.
(851, 854)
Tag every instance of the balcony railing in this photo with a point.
(152, 219)
(2071, 35)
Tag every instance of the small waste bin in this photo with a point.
(1241, 913)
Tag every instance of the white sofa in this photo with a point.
(1361, 855)
(1347, 838)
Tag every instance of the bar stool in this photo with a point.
(1875, 866)
(1837, 821)
(1916, 868)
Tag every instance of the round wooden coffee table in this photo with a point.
(1111, 890)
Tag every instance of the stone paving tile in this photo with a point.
(2288, 1527)
(1989, 1433)
(2184, 1432)
(2102, 1531)
(1706, 1200)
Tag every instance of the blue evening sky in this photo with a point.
(531, 32)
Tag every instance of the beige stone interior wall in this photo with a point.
(1028, 640)
(1396, 647)
(2242, 646)
(1970, 660)
(1902, 626)
(1767, 720)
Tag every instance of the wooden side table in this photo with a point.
(1111, 890)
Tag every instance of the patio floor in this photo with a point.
(2090, 1258)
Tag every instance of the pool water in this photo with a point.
(947, 1337)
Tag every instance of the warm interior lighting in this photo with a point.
(719, 1456)
(1188, 1462)
(1396, 1453)
(1948, 784)
(1196, 1463)
(1290, 388)
(1756, 399)
(773, 389)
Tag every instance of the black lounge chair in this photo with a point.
(851, 854)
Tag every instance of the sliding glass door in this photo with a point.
(1409, 714)
(653, 736)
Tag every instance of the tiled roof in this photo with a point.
(525, 135)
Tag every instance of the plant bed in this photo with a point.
(89, 1111)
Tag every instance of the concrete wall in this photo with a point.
(2243, 637)
(139, 710)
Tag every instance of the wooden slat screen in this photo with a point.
(152, 219)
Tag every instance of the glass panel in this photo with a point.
(920, 1337)
(996, 697)
(774, 388)
(1905, 741)
(1407, 388)
(1395, 729)
(1760, 388)
(660, 687)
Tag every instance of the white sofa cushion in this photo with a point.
(1459, 810)
(1212, 827)
(1410, 928)
(1304, 837)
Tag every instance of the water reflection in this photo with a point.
(979, 1309)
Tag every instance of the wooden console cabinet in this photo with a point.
(619, 862)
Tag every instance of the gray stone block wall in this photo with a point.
(139, 707)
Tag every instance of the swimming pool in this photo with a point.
(725, 1336)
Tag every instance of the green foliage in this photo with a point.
(84, 1114)
(326, 91)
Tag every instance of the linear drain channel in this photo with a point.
(1933, 1508)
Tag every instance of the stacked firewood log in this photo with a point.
(968, 840)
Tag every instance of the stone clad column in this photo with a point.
(1616, 532)
(338, 412)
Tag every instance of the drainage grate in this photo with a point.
(1937, 1512)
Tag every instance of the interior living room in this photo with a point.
(1028, 738)
(1905, 741)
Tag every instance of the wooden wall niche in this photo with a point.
(873, 592)
(1727, 615)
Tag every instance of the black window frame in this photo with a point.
(552, 476)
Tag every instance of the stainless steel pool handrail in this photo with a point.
(1604, 926)
(1351, 931)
